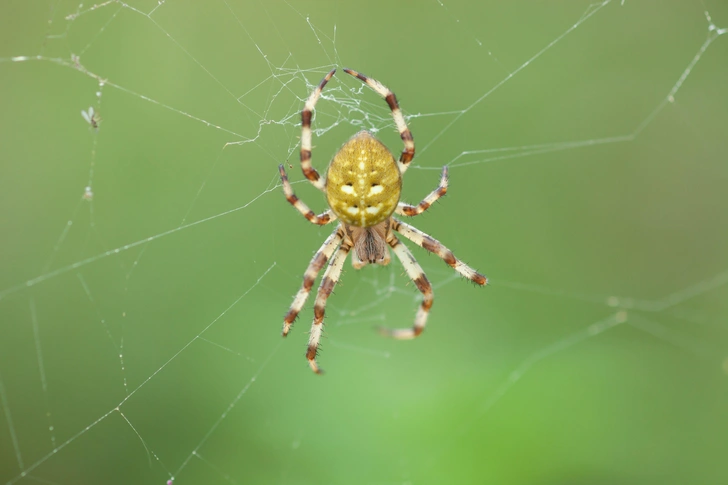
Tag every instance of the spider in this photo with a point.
(363, 185)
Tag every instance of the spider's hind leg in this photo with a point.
(328, 282)
(408, 152)
(417, 275)
(317, 262)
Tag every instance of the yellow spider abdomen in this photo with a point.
(363, 183)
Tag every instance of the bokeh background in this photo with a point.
(140, 320)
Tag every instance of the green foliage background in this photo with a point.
(596, 356)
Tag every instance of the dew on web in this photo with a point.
(145, 280)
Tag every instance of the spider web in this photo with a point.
(149, 254)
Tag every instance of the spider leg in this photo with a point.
(414, 210)
(321, 219)
(311, 174)
(434, 246)
(328, 282)
(408, 152)
(317, 262)
(414, 271)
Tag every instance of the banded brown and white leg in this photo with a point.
(408, 152)
(309, 277)
(414, 271)
(328, 282)
(321, 219)
(414, 210)
(311, 174)
(434, 246)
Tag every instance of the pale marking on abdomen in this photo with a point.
(377, 189)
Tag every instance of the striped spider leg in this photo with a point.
(318, 261)
(308, 171)
(320, 220)
(414, 210)
(418, 277)
(434, 246)
(328, 282)
(408, 153)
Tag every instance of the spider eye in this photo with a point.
(349, 184)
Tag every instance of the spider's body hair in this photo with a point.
(363, 182)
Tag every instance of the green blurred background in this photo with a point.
(596, 356)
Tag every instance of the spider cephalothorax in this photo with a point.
(363, 185)
(370, 243)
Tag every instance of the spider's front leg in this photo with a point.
(328, 282)
(308, 171)
(408, 152)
